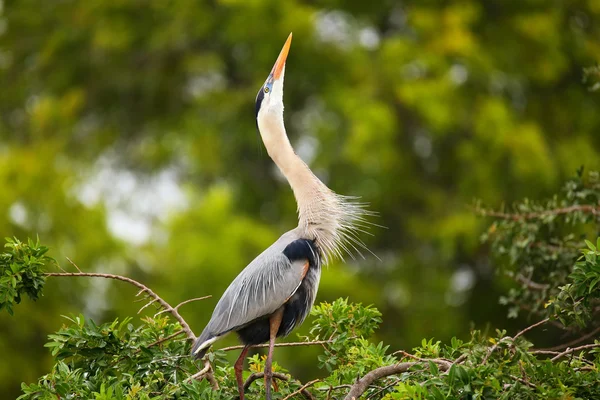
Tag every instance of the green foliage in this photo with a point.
(346, 327)
(537, 244)
(21, 272)
(578, 300)
(591, 77)
(116, 360)
(128, 143)
(150, 359)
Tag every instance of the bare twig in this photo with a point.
(73, 264)
(530, 327)
(585, 208)
(278, 375)
(363, 383)
(289, 344)
(159, 341)
(146, 305)
(494, 347)
(143, 288)
(61, 268)
(205, 373)
(523, 381)
(190, 300)
(338, 387)
(460, 359)
(573, 342)
(200, 374)
(211, 379)
(447, 364)
(550, 352)
(531, 284)
(575, 349)
(512, 339)
(377, 393)
(302, 389)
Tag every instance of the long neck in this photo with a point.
(333, 221)
(318, 206)
(308, 189)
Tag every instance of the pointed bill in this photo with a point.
(280, 63)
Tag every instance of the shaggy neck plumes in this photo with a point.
(333, 221)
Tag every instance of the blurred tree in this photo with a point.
(127, 142)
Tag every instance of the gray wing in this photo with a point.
(259, 290)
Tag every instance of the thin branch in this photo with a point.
(73, 264)
(206, 373)
(146, 305)
(493, 348)
(190, 300)
(575, 349)
(523, 381)
(159, 341)
(447, 364)
(377, 393)
(278, 375)
(573, 342)
(460, 359)
(143, 288)
(338, 387)
(585, 208)
(530, 327)
(363, 383)
(289, 344)
(61, 268)
(302, 389)
(531, 284)
(211, 379)
(200, 374)
(549, 352)
(508, 338)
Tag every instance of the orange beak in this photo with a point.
(280, 63)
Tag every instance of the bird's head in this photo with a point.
(269, 100)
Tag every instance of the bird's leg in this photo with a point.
(274, 323)
(238, 367)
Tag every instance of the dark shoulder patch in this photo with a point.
(303, 249)
(259, 98)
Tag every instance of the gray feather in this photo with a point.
(259, 290)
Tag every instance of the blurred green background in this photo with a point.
(128, 143)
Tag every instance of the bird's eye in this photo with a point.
(266, 89)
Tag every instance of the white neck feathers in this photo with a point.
(333, 221)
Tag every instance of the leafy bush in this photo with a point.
(21, 272)
(545, 248)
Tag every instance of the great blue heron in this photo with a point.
(276, 291)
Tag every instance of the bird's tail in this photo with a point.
(199, 353)
(202, 344)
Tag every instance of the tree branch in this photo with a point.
(575, 349)
(531, 284)
(302, 390)
(190, 300)
(278, 375)
(288, 344)
(143, 289)
(572, 342)
(363, 383)
(585, 208)
(445, 363)
(508, 338)
(530, 327)
(159, 341)
(207, 373)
